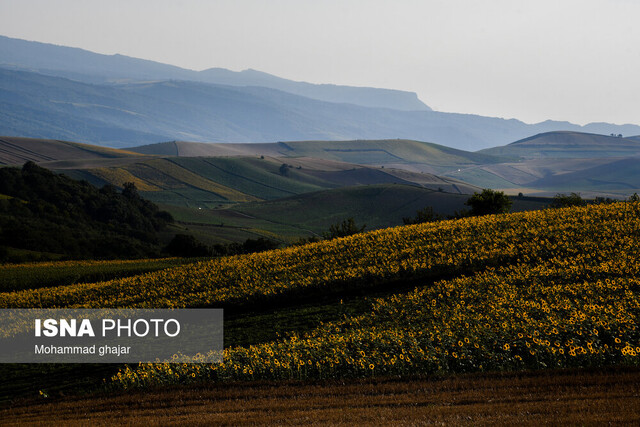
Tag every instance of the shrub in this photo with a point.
(563, 201)
(489, 202)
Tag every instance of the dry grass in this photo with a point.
(565, 397)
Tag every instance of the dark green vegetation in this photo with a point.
(563, 200)
(51, 214)
(186, 245)
(489, 202)
(15, 277)
(347, 227)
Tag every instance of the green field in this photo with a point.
(14, 277)
(287, 219)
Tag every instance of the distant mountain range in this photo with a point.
(81, 65)
(56, 92)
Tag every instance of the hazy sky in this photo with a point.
(575, 60)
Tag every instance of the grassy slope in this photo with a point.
(210, 181)
(562, 161)
(16, 151)
(591, 177)
(432, 157)
(552, 163)
(616, 176)
(568, 145)
(548, 160)
(377, 206)
(258, 177)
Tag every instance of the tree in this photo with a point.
(563, 201)
(130, 191)
(422, 216)
(258, 245)
(185, 245)
(489, 202)
(343, 229)
(284, 169)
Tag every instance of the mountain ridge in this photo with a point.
(91, 67)
(102, 102)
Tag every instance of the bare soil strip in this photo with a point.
(573, 397)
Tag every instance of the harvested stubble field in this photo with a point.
(575, 397)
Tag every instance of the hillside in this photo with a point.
(211, 181)
(587, 163)
(570, 145)
(597, 177)
(220, 199)
(89, 67)
(547, 163)
(549, 289)
(199, 174)
(44, 215)
(614, 175)
(288, 219)
(16, 151)
(394, 153)
(377, 206)
(183, 173)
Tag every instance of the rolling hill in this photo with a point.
(377, 206)
(598, 177)
(231, 192)
(572, 145)
(16, 151)
(235, 196)
(399, 153)
(182, 172)
(211, 181)
(547, 163)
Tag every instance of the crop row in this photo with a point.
(576, 312)
(15, 277)
(420, 252)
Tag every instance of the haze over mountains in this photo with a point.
(49, 91)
